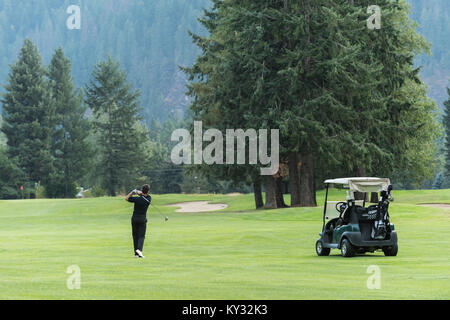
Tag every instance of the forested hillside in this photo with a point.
(150, 40)
(434, 20)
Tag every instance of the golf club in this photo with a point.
(166, 218)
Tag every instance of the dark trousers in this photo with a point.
(139, 228)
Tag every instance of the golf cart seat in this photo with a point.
(332, 212)
(345, 219)
(368, 214)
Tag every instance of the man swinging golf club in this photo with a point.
(139, 218)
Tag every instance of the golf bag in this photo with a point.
(381, 228)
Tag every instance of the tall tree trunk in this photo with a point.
(111, 152)
(307, 191)
(258, 192)
(67, 182)
(111, 186)
(67, 193)
(279, 193)
(271, 186)
(294, 180)
(294, 184)
(274, 192)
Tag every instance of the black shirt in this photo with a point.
(141, 204)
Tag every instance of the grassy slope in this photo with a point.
(238, 253)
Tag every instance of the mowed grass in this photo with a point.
(236, 253)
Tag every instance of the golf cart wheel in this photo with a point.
(347, 249)
(321, 250)
(391, 251)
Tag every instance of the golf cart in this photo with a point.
(354, 228)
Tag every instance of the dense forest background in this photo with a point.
(434, 24)
(150, 40)
(143, 50)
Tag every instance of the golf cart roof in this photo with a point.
(362, 184)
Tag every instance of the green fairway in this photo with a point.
(236, 253)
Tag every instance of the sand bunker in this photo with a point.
(436, 205)
(198, 206)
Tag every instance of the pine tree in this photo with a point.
(272, 65)
(221, 95)
(28, 112)
(117, 112)
(394, 126)
(438, 181)
(446, 122)
(69, 147)
(343, 96)
(166, 177)
(2, 135)
(11, 177)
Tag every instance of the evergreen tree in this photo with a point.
(165, 176)
(70, 150)
(117, 112)
(339, 93)
(446, 122)
(11, 177)
(394, 125)
(28, 112)
(124, 31)
(2, 135)
(288, 78)
(438, 181)
(222, 86)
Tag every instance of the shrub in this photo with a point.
(40, 192)
(98, 192)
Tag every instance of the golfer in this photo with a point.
(139, 219)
